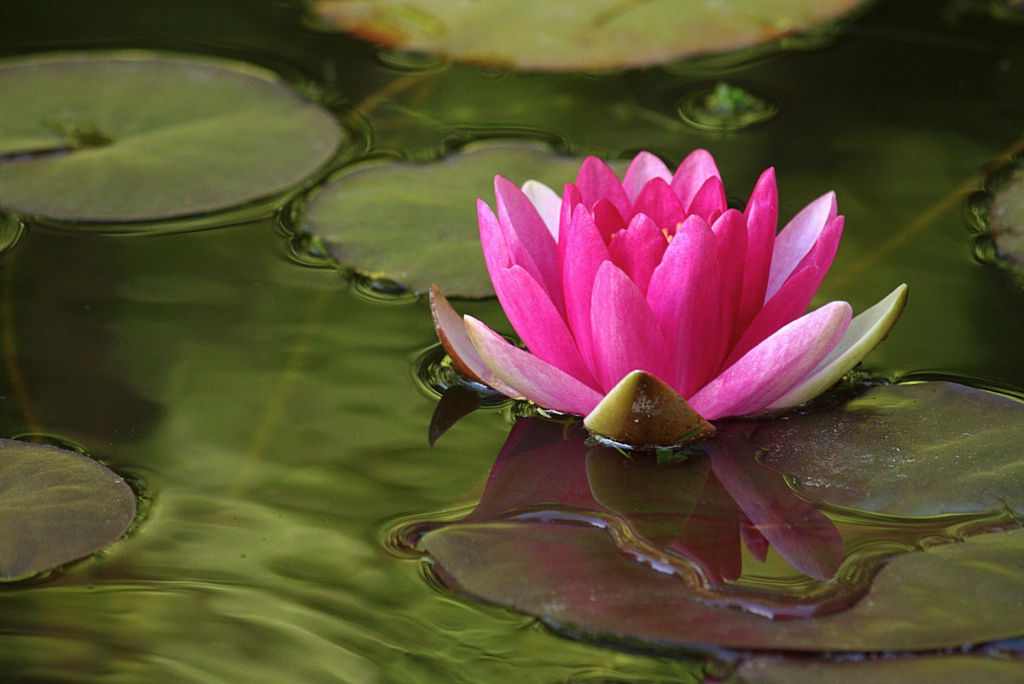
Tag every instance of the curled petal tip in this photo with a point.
(642, 411)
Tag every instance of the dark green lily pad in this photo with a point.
(56, 506)
(648, 551)
(917, 449)
(1006, 217)
(415, 222)
(917, 670)
(575, 579)
(133, 136)
(602, 34)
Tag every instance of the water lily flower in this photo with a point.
(654, 282)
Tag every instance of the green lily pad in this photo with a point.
(56, 506)
(918, 449)
(603, 34)
(574, 578)
(133, 136)
(918, 670)
(415, 222)
(686, 553)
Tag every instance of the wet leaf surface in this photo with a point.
(56, 506)
(415, 222)
(136, 136)
(701, 552)
(606, 34)
(917, 449)
(917, 670)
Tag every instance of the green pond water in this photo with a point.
(268, 411)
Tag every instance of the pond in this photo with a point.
(268, 406)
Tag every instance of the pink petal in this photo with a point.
(585, 251)
(643, 168)
(771, 368)
(539, 324)
(731, 235)
(492, 239)
(626, 333)
(691, 175)
(596, 181)
(638, 250)
(762, 214)
(709, 202)
(685, 296)
(571, 198)
(531, 378)
(795, 241)
(607, 218)
(795, 293)
(529, 241)
(451, 330)
(657, 201)
(547, 202)
(786, 306)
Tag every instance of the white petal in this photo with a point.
(547, 202)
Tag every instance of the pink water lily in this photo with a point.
(656, 274)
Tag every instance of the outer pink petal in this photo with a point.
(762, 214)
(492, 239)
(451, 329)
(585, 251)
(771, 368)
(643, 168)
(692, 173)
(797, 239)
(547, 203)
(626, 333)
(539, 324)
(596, 181)
(531, 378)
(638, 250)
(658, 202)
(529, 241)
(685, 294)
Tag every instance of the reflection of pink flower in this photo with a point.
(656, 273)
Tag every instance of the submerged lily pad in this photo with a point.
(602, 34)
(56, 506)
(415, 222)
(134, 136)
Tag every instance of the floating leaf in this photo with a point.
(134, 136)
(56, 506)
(605, 34)
(917, 449)
(924, 669)
(648, 552)
(575, 579)
(415, 222)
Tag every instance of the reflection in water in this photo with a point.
(690, 518)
